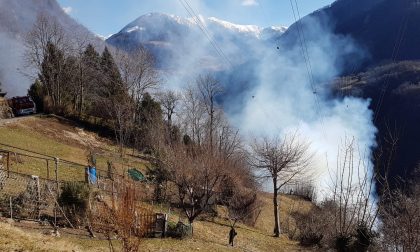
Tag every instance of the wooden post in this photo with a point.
(8, 164)
(38, 188)
(56, 184)
(11, 208)
(48, 169)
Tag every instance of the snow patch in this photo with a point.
(135, 28)
(235, 27)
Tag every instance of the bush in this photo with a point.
(312, 227)
(364, 237)
(178, 230)
(74, 199)
(342, 242)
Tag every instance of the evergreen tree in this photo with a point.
(36, 92)
(112, 82)
(50, 75)
(150, 122)
(150, 111)
(90, 79)
(69, 88)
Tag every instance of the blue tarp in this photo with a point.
(91, 174)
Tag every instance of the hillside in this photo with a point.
(59, 137)
(382, 40)
(395, 93)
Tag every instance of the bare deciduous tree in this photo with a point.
(228, 139)
(121, 113)
(193, 114)
(138, 71)
(169, 101)
(122, 218)
(209, 88)
(352, 204)
(196, 173)
(283, 161)
(46, 30)
(401, 227)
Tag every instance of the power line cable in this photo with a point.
(394, 55)
(308, 65)
(203, 28)
(203, 25)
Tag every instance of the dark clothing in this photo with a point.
(232, 235)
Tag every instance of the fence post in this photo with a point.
(11, 207)
(48, 169)
(56, 185)
(38, 190)
(56, 173)
(8, 164)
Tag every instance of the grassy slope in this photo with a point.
(52, 137)
(57, 138)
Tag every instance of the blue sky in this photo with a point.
(106, 17)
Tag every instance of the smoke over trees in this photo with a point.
(284, 161)
(198, 149)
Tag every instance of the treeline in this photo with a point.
(108, 88)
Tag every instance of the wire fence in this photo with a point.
(31, 184)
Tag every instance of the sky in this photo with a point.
(106, 17)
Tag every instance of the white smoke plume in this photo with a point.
(14, 78)
(270, 93)
(284, 100)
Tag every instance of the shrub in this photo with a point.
(342, 242)
(178, 230)
(74, 199)
(364, 237)
(311, 227)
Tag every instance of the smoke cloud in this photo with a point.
(13, 77)
(269, 93)
(284, 100)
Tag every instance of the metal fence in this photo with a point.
(31, 182)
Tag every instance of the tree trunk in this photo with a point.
(192, 227)
(276, 211)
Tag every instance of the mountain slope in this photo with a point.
(386, 29)
(398, 106)
(170, 37)
(16, 20)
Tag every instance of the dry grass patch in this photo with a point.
(15, 239)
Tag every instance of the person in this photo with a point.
(232, 235)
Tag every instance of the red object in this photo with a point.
(22, 105)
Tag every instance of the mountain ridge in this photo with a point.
(168, 36)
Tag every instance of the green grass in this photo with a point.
(47, 136)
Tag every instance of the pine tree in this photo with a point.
(90, 78)
(112, 82)
(69, 88)
(36, 92)
(51, 71)
(150, 122)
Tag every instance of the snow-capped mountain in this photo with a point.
(170, 37)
